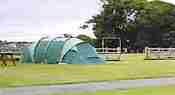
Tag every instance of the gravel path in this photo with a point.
(108, 85)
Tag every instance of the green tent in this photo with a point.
(61, 50)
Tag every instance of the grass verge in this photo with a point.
(132, 66)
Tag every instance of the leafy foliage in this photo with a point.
(142, 22)
(87, 39)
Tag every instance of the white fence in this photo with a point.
(160, 53)
(109, 54)
(108, 50)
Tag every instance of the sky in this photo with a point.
(29, 20)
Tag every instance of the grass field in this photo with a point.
(164, 90)
(131, 66)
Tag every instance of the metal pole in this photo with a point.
(103, 45)
(120, 45)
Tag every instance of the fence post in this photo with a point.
(147, 52)
(159, 53)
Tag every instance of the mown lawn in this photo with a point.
(131, 66)
(163, 90)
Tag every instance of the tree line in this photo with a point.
(138, 23)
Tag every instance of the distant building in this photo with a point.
(13, 46)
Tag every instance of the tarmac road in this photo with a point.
(90, 87)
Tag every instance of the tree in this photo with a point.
(169, 39)
(141, 22)
(116, 18)
(153, 22)
(86, 39)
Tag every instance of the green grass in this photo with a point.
(163, 90)
(131, 66)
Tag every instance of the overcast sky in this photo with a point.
(30, 19)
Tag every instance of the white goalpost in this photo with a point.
(110, 54)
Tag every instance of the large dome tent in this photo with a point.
(40, 50)
(54, 50)
(61, 50)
